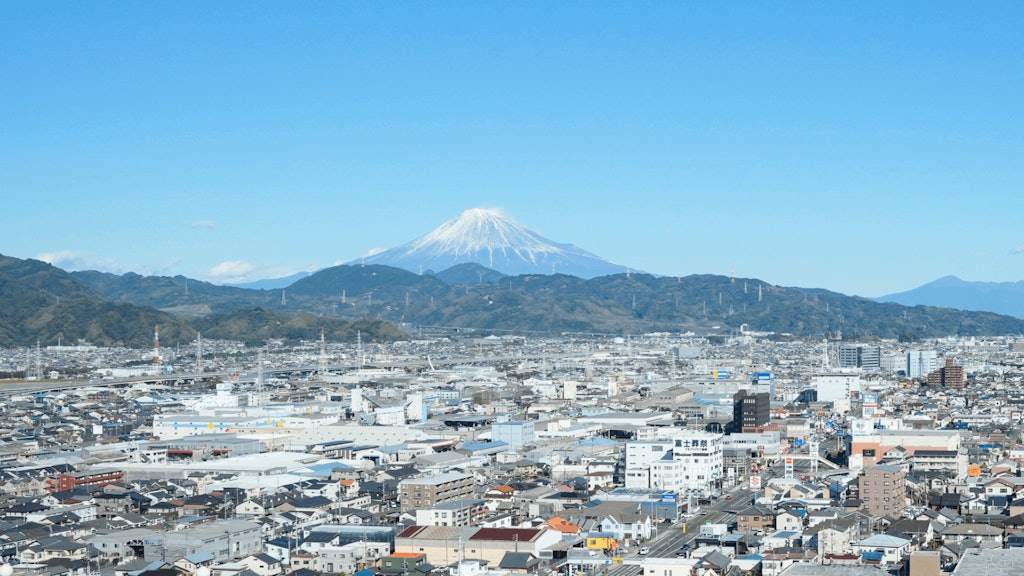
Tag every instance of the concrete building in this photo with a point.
(862, 356)
(419, 493)
(514, 433)
(700, 453)
(869, 446)
(469, 512)
(949, 376)
(751, 411)
(691, 460)
(883, 491)
(921, 362)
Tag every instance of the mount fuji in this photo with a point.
(489, 238)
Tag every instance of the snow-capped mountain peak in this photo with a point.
(490, 238)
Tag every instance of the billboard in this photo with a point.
(755, 482)
(764, 376)
(869, 399)
(974, 470)
(720, 374)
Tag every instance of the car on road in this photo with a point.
(728, 496)
(643, 550)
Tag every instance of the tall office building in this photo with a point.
(921, 362)
(750, 411)
(860, 356)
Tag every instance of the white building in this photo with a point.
(921, 362)
(690, 460)
(514, 433)
(700, 453)
(836, 386)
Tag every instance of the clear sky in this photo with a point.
(862, 147)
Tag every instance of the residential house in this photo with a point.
(755, 519)
(985, 535)
(892, 549)
(790, 519)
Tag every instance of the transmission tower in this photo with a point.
(321, 363)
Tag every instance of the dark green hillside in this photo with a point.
(619, 304)
(256, 326)
(42, 303)
(176, 292)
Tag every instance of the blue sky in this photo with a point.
(862, 147)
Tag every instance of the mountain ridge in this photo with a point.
(528, 303)
(952, 292)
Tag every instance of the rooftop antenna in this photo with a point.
(156, 344)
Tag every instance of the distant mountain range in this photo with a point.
(272, 283)
(952, 292)
(471, 297)
(42, 303)
(458, 289)
(491, 239)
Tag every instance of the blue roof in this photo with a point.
(595, 442)
(326, 468)
(200, 557)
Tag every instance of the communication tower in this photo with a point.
(156, 344)
(321, 363)
(199, 352)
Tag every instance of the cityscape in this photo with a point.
(498, 455)
(573, 288)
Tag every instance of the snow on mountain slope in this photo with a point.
(489, 238)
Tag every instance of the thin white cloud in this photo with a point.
(72, 260)
(374, 252)
(1019, 250)
(231, 270)
(203, 224)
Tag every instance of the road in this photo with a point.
(670, 538)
